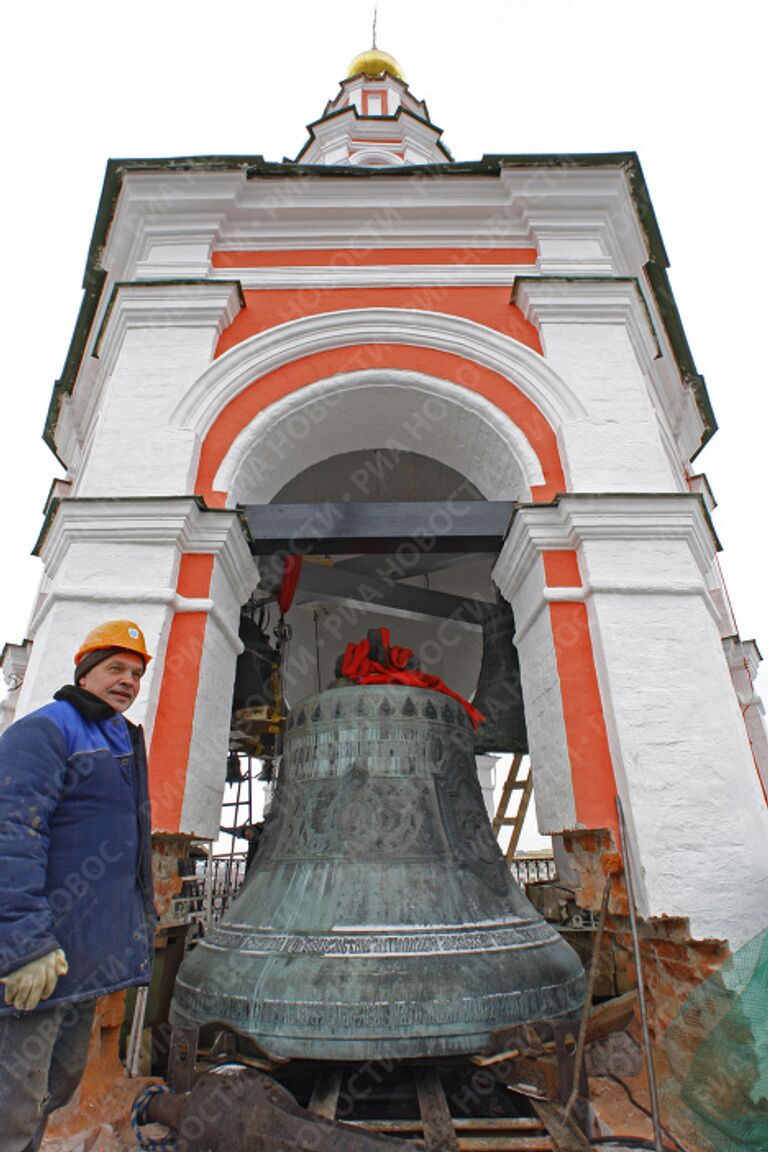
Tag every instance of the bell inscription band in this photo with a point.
(379, 918)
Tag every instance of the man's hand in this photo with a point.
(27, 986)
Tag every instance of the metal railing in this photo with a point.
(528, 868)
(207, 895)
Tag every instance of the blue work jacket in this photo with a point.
(75, 847)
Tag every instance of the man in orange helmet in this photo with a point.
(76, 913)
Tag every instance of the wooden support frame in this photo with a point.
(439, 1132)
(325, 1095)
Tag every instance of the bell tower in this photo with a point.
(448, 387)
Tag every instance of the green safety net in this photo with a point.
(714, 1057)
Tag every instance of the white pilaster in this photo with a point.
(744, 659)
(681, 757)
(155, 341)
(112, 559)
(519, 575)
(233, 580)
(597, 334)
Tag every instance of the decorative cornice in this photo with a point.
(574, 518)
(378, 276)
(242, 196)
(338, 129)
(182, 521)
(589, 300)
(165, 304)
(13, 662)
(742, 655)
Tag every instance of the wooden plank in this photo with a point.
(506, 791)
(325, 1095)
(566, 1137)
(525, 800)
(447, 526)
(460, 1123)
(506, 1144)
(439, 1132)
(611, 1016)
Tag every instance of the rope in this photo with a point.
(139, 1117)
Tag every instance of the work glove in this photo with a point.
(28, 985)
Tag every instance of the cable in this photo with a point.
(139, 1117)
(641, 1108)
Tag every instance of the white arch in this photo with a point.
(377, 408)
(278, 346)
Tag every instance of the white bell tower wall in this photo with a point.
(499, 319)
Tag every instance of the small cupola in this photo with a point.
(374, 62)
(374, 121)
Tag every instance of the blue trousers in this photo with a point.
(42, 1058)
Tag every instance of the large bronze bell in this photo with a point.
(379, 918)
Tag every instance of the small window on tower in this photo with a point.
(374, 104)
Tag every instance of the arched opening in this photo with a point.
(431, 601)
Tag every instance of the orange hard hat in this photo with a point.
(115, 634)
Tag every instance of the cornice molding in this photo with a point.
(290, 208)
(179, 522)
(589, 300)
(342, 129)
(742, 655)
(574, 518)
(13, 662)
(598, 197)
(165, 304)
(378, 276)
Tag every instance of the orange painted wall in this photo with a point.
(561, 569)
(594, 783)
(265, 308)
(371, 257)
(172, 732)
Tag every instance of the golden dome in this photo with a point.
(373, 62)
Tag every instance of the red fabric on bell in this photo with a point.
(357, 666)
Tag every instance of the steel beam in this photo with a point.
(443, 526)
(370, 591)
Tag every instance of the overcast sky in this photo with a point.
(679, 81)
